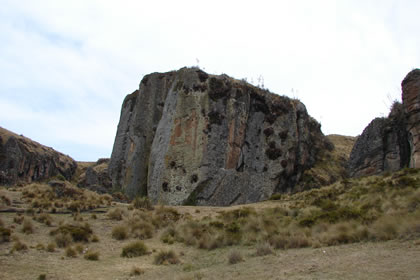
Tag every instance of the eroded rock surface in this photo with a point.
(186, 137)
(96, 177)
(23, 160)
(411, 100)
(383, 145)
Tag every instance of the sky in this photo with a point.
(66, 66)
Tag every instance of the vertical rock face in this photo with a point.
(187, 137)
(23, 160)
(411, 100)
(383, 145)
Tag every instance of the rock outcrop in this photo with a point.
(186, 137)
(96, 177)
(392, 143)
(411, 100)
(383, 145)
(23, 160)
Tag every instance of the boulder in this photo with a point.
(187, 137)
(411, 100)
(23, 160)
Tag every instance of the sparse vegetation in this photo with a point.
(91, 255)
(368, 210)
(120, 232)
(27, 226)
(116, 214)
(4, 234)
(134, 249)
(235, 257)
(76, 231)
(19, 246)
(142, 202)
(166, 257)
(136, 271)
(70, 252)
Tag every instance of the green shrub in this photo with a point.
(134, 249)
(166, 257)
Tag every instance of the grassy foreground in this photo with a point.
(367, 228)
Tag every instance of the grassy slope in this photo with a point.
(332, 164)
(379, 239)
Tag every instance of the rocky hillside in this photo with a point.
(187, 137)
(23, 160)
(411, 101)
(392, 143)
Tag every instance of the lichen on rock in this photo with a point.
(24, 161)
(187, 137)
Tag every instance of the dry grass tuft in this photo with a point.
(120, 232)
(134, 249)
(166, 257)
(27, 226)
(264, 249)
(91, 255)
(76, 231)
(51, 247)
(116, 214)
(70, 252)
(63, 239)
(19, 246)
(142, 203)
(136, 271)
(5, 234)
(235, 257)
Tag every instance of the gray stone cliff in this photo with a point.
(383, 146)
(186, 137)
(411, 100)
(23, 160)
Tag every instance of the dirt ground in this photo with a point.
(382, 260)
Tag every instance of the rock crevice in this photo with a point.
(187, 137)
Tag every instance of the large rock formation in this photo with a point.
(411, 100)
(95, 176)
(389, 144)
(187, 137)
(383, 146)
(23, 160)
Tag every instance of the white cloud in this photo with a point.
(65, 67)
